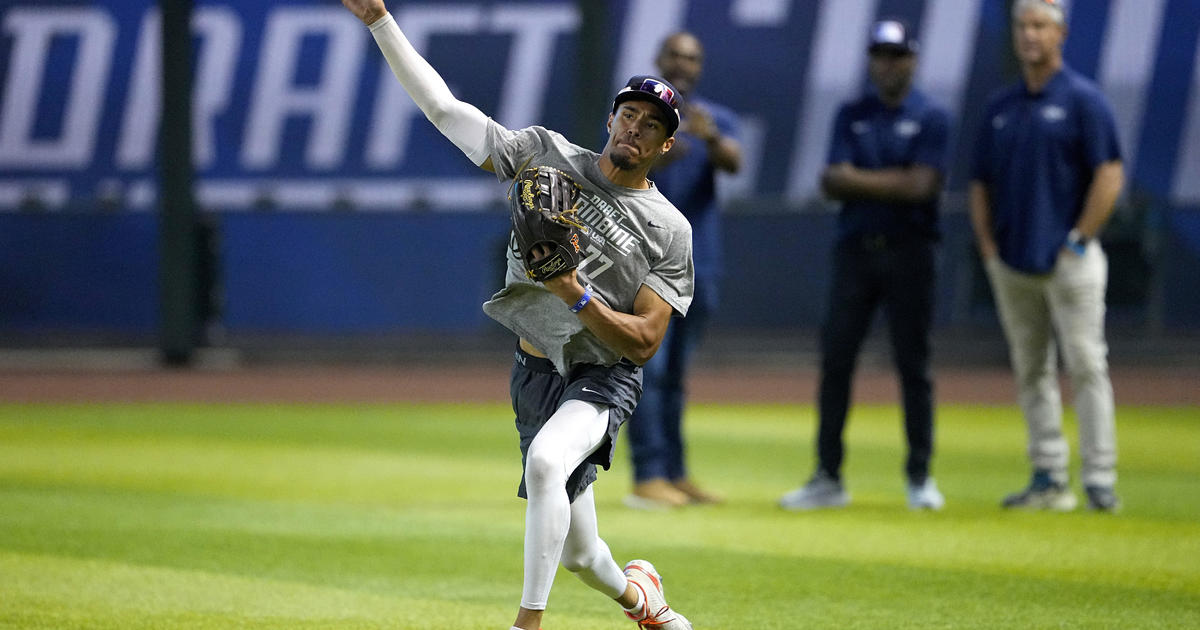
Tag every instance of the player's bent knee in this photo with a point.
(544, 469)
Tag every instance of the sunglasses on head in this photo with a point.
(658, 89)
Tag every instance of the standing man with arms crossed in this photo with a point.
(1046, 175)
(707, 142)
(885, 166)
(583, 333)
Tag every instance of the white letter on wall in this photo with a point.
(529, 64)
(835, 71)
(221, 40)
(329, 103)
(33, 31)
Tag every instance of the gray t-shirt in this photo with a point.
(637, 237)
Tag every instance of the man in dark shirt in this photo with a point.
(885, 166)
(705, 145)
(1047, 173)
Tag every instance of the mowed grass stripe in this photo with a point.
(248, 470)
(95, 593)
(404, 516)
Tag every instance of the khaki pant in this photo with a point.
(1067, 303)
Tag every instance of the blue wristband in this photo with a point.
(583, 299)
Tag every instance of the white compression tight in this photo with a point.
(555, 528)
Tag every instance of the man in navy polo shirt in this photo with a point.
(1047, 172)
(885, 166)
(707, 143)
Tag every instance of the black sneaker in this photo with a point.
(1043, 493)
(1102, 499)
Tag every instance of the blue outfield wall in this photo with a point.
(78, 273)
(295, 110)
(361, 273)
(331, 274)
(1181, 270)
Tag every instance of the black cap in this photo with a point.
(894, 36)
(658, 91)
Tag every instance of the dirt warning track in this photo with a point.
(488, 382)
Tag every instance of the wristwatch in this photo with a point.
(1077, 242)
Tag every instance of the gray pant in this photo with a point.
(1067, 303)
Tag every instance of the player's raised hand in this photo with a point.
(366, 10)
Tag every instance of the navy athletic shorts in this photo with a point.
(538, 390)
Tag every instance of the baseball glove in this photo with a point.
(542, 204)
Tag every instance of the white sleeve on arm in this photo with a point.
(461, 123)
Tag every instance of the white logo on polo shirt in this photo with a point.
(1053, 113)
(999, 121)
(860, 127)
(907, 128)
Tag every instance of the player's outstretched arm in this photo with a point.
(461, 123)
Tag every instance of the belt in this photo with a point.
(542, 364)
(537, 364)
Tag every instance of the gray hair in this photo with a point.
(1057, 9)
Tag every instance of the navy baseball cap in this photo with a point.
(892, 36)
(657, 91)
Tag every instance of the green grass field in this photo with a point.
(395, 516)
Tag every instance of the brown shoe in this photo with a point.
(656, 494)
(695, 494)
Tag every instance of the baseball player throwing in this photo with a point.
(587, 322)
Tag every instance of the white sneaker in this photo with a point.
(822, 491)
(925, 496)
(655, 613)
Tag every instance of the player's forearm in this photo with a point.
(915, 184)
(460, 122)
(636, 337)
(1102, 196)
(980, 209)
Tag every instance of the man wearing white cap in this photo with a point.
(886, 165)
